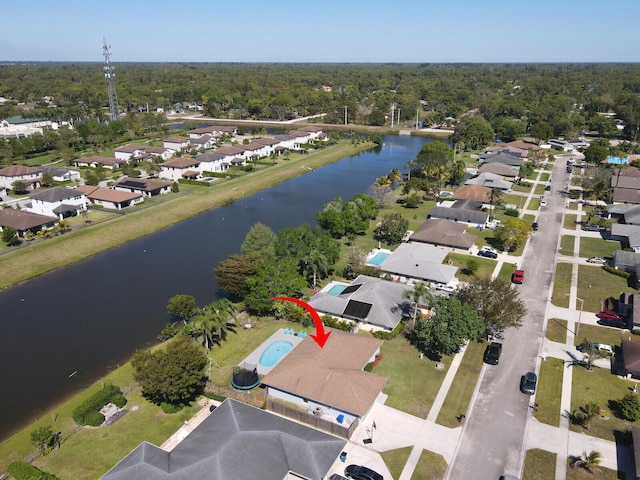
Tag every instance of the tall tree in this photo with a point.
(392, 228)
(211, 323)
(233, 272)
(182, 306)
(473, 133)
(417, 294)
(260, 239)
(273, 279)
(512, 233)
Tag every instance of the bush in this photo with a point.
(615, 271)
(170, 408)
(215, 396)
(188, 181)
(23, 471)
(630, 407)
(384, 335)
(88, 412)
(343, 325)
(511, 212)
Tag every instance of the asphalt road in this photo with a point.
(494, 432)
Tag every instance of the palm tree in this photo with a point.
(314, 263)
(494, 198)
(211, 323)
(419, 292)
(589, 462)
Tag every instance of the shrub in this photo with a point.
(384, 335)
(511, 212)
(215, 396)
(170, 408)
(343, 325)
(368, 367)
(188, 181)
(24, 471)
(630, 407)
(615, 271)
(88, 412)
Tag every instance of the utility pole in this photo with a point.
(393, 110)
(110, 75)
(345, 114)
(418, 121)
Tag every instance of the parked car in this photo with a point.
(518, 276)
(358, 472)
(543, 203)
(612, 322)
(492, 353)
(598, 346)
(534, 226)
(445, 288)
(599, 260)
(547, 188)
(592, 228)
(528, 383)
(610, 315)
(488, 252)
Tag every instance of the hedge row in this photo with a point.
(383, 335)
(188, 181)
(24, 471)
(615, 271)
(343, 325)
(88, 412)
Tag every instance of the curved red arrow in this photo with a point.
(320, 337)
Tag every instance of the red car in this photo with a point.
(518, 276)
(610, 315)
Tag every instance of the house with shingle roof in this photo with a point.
(29, 176)
(416, 261)
(58, 202)
(631, 358)
(176, 143)
(445, 233)
(490, 180)
(508, 172)
(110, 198)
(506, 158)
(625, 183)
(60, 174)
(24, 221)
(240, 442)
(478, 193)
(523, 145)
(370, 302)
(146, 187)
(98, 161)
(212, 162)
(331, 379)
(464, 211)
(180, 167)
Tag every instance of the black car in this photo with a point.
(592, 228)
(528, 383)
(534, 226)
(492, 353)
(488, 254)
(358, 472)
(612, 322)
(547, 188)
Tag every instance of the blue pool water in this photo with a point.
(378, 258)
(618, 160)
(336, 290)
(274, 352)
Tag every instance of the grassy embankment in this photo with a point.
(45, 256)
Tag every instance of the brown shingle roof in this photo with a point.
(443, 232)
(473, 192)
(18, 170)
(21, 220)
(181, 162)
(332, 375)
(631, 356)
(107, 194)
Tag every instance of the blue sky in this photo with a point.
(322, 31)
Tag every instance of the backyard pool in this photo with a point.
(378, 258)
(274, 352)
(336, 290)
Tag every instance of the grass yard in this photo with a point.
(556, 330)
(570, 221)
(607, 335)
(483, 237)
(602, 474)
(414, 382)
(521, 188)
(396, 460)
(567, 245)
(485, 266)
(596, 284)
(561, 285)
(597, 247)
(534, 204)
(544, 177)
(602, 387)
(464, 383)
(506, 271)
(549, 386)
(539, 465)
(431, 466)
(539, 190)
(573, 206)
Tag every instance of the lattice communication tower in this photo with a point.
(110, 75)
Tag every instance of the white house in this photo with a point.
(180, 167)
(61, 174)
(127, 152)
(212, 162)
(96, 161)
(148, 188)
(58, 202)
(29, 176)
(176, 143)
(110, 198)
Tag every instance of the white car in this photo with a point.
(543, 203)
(445, 288)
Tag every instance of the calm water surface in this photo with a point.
(64, 330)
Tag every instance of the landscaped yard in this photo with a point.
(570, 221)
(556, 330)
(534, 204)
(602, 474)
(545, 176)
(567, 244)
(506, 271)
(607, 335)
(431, 466)
(464, 383)
(561, 285)
(549, 388)
(539, 465)
(539, 190)
(521, 188)
(597, 247)
(595, 285)
(485, 266)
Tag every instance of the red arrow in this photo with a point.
(320, 337)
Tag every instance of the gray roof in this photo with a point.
(420, 261)
(237, 442)
(443, 232)
(490, 180)
(502, 157)
(54, 171)
(460, 215)
(55, 194)
(631, 232)
(381, 302)
(625, 260)
(499, 169)
(210, 157)
(626, 195)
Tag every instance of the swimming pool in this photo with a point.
(274, 352)
(336, 290)
(378, 258)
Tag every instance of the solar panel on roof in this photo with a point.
(351, 289)
(132, 183)
(356, 309)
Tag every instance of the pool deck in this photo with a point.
(254, 357)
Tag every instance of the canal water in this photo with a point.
(64, 330)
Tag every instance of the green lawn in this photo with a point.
(573, 206)
(544, 177)
(567, 245)
(597, 247)
(595, 285)
(534, 204)
(548, 394)
(606, 335)
(602, 473)
(561, 285)
(539, 465)
(521, 188)
(396, 460)
(570, 221)
(539, 190)
(506, 271)
(599, 386)
(431, 466)
(556, 330)
(414, 382)
(485, 266)
(464, 383)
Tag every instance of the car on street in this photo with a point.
(443, 287)
(534, 226)
(488, 252)
(518, 276)
(598, 260)
(492, 353)
(547, 188)
(610, 315)
(592, 228)
(543, 203)
(358, 472)
(528, 383)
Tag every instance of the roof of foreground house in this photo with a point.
(332, 375)
(238, 442)
(22, 220)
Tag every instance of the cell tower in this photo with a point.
(110, 75)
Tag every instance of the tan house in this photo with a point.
(110, 198)
(29, 176)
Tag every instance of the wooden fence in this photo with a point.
(313, 420)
